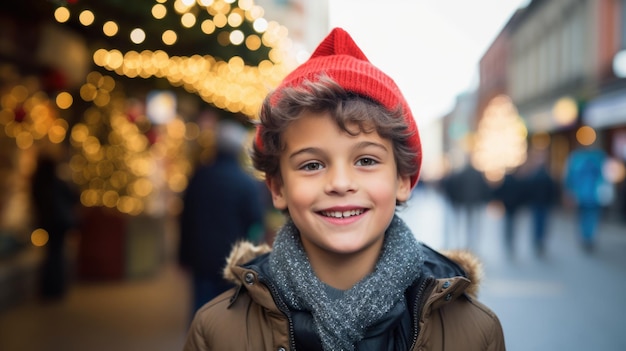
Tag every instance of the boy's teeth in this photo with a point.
(344, 214)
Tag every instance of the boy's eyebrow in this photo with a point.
(360, 145)
(364, 144)
(312, 150)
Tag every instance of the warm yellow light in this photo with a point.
(142, 187)
(220, 20)
(56, 134)
(500, 140)
(137, 35)
(207, 26)
(565, 111)
(253, 42)
(159, 11)
(180, 6)
(236, 37)
(19, 93)
(188, 20)
(115, 59)
(88, 92)
(110, 198)
(86, 18)
(585, 135)
(260, 25)
(64, 100)
(39, 237)
(80, 132)
(62, 14)
(255, 13)
(102, 99)
(177, 183)
(110, 28)
(246, 4)
(24, 140)
(235, 20)
(169, 37)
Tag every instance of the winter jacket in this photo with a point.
(446, 314)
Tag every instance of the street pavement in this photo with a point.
(566, 300)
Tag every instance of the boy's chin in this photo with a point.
(347, 248)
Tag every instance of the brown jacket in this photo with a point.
(247, 318)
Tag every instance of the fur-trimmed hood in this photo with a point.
(245, 251)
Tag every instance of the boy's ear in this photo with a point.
(275, 186)
(403, 192)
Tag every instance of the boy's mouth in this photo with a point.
(342, 214)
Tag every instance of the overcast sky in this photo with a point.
(430, 48)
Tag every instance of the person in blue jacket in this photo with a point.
(584, 181)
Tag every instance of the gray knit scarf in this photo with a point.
(342, 322)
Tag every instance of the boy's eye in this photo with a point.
(312, 166)
(366, 161)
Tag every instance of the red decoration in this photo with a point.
(152, 135)
(134, 110)
(19, 114)
(54, 80)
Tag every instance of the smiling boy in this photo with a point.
(340, 151)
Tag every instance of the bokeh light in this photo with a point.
(585, 135)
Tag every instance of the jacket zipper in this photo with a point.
(282, 306)
(417, 308)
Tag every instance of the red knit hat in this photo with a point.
(338, 57)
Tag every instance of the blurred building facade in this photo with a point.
(561, 66)
(459, 125)
(552, 69)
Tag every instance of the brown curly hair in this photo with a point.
(325, 95)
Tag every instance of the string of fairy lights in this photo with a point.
(121, 159)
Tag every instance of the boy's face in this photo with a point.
(340, 190)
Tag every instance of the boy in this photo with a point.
(339, 148)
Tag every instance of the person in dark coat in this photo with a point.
(222, 205)
(542, 195)
(54, 203)
(511, 193)
(467, 192)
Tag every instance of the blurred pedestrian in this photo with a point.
(511, 193)
(55, 211)
(222, 205)
(584, 183)
(340, 150)
(467, 192)
(542, 195)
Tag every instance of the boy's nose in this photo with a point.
(340, 180)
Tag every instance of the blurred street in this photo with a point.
(568, 300)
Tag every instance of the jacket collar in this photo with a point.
(454, 266)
